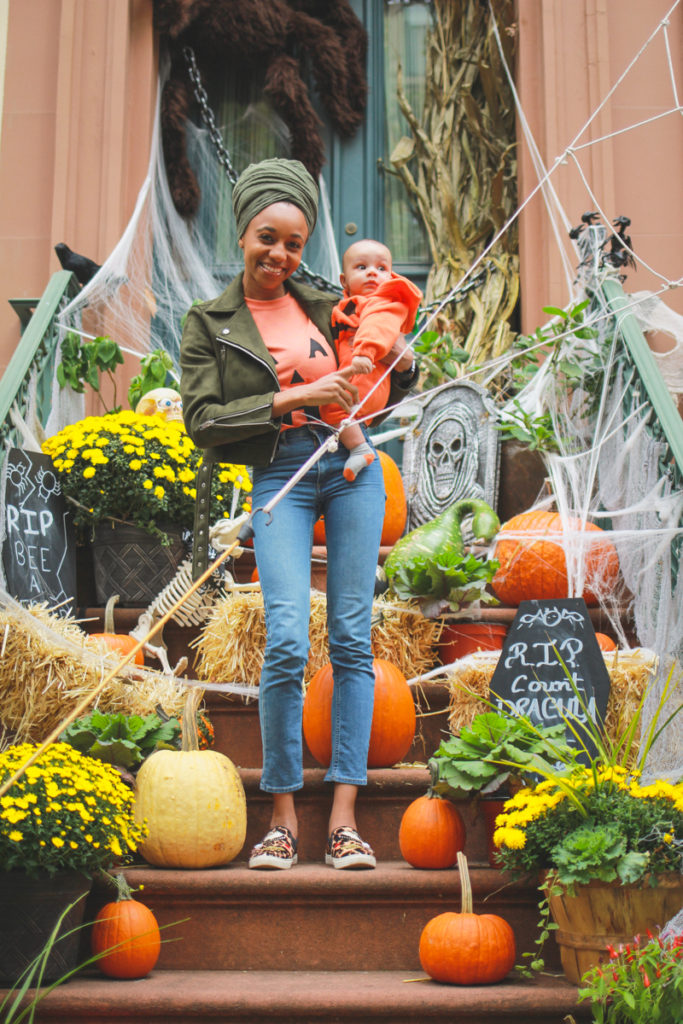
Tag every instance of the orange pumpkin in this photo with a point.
(605, 643)
(431, 833)
(127, 936)
(393, 717)
(467, 948)
(395, 509)
(533, 566)
(122, 643)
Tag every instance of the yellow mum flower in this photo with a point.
(513, 838)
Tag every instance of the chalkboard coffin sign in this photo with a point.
(530, 680)
(39, 545)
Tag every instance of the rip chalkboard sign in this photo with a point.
(529, 678)
(39, 545)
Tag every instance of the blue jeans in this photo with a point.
(354, 513)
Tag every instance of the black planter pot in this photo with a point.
(132, 563)
(29, 910)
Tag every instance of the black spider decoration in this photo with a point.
(287, 38)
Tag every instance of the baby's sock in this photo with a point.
(359, 457)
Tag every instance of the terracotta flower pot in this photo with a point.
(490, 808)
(462, 638)
(602, 914)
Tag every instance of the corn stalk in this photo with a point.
(459, 168)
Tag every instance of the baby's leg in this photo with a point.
(360, 452)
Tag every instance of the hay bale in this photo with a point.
(232, 644)
(48, 665)
(629, 671)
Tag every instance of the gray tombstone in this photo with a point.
(452, 452)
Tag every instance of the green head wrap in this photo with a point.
(274, 181)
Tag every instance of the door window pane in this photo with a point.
(406, 25)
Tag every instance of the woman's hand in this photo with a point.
(332, 389)
(399, 348)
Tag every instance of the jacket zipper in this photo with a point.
(252, 356)
(229, 419)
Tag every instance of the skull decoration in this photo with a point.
(163, 402)
(451, 459)
(452, 451)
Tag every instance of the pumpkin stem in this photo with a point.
(124, 890)
(109, 614)
(117, 882)
(190, 739)
(465, 885)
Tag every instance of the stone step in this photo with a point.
(379, 808)
(296, 997)
(313, 918)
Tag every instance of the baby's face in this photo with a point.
(366, 265)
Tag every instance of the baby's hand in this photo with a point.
(362, 364)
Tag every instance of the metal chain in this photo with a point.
(304, 272)
(208, 115)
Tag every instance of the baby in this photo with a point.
(377, 306)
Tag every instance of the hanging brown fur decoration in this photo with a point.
(279, 35)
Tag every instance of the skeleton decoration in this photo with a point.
(452, 452)
(163, 402)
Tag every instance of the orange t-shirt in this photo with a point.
(301, 351)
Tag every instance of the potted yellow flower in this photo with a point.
(64, 818)
(610, 850)
(608, 844)
(130, 479)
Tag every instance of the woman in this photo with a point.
(256, 363)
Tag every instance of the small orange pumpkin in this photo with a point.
(431, 833)
(125, 936)
(393, 717)
(121, 643)
(467, 948)
(395, 509)
(533, 566)
(605, 643)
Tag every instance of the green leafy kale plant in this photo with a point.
(122, 740)
(494, 747)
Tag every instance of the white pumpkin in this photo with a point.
(193, 803)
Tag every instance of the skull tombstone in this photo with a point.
(452, 452)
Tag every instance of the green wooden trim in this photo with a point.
(24, 308)
(658, 393)
(32, 338)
